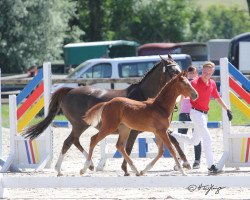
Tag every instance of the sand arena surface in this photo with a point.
(74, 161)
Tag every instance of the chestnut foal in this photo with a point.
(153, 115)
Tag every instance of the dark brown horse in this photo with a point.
(153, 115)
(75, 102)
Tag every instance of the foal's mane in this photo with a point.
(170, 83)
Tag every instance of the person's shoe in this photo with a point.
(213, 170)
(196, 164)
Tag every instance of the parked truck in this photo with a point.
(76, 53)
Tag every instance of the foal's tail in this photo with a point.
(34, 131)
(94, 115)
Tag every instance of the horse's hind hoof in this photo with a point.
(82, 172)
(91, 167)
(127, 174)
(186, 165)
(59, 174)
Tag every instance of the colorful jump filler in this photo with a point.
(25, 153)
(234, 88)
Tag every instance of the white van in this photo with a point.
(115, 68)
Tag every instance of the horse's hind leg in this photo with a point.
(66, 146)
(179, 150)
(159, 143)
(162, 134)
(78, 145)
(129, 146)
(124, 132)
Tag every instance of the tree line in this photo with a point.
(34, 31)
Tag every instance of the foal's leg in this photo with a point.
(93, 142)
(180, 152)
(158, 156)
(162, 134)
(121, 144)
(129, 146)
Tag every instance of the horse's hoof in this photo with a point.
(91, 167)
(186, 165)
(82, 172)
(127, 174)
(184, 174)
(59, 174)
(141, 173)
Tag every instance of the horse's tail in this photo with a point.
(54, 107)
(93, 115)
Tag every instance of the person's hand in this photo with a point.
(230, 115)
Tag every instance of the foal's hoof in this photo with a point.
(186, 165)
(184, 174)
(91, 167)
(82, 172)
(138, 174)
(141, 173)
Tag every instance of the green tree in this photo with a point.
(105, 19)
(227, 22)
(32, 31)
(162, 21)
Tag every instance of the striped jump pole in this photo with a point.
(236, 145)
(25, 153)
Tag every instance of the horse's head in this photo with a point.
(185, 86)
(170, 67)
(157, 77)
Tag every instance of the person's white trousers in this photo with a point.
(200, 132)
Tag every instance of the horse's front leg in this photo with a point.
(129, 146)
(158, 156)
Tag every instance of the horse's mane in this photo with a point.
(148, 72)
(167, 85)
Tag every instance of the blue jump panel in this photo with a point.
(30, 87)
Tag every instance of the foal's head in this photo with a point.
(184, 86)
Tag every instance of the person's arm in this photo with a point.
(229, 113)
(221, 102)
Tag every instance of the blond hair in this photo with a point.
(209, 65)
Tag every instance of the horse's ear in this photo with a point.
(181, 74)
(170, 57)
(162, 58)
(185, 73)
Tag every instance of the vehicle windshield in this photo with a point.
(78, 69)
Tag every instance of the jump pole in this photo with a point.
(236, 145)
(17, 148)
(225, 123)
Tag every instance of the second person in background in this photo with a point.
(184, 115)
